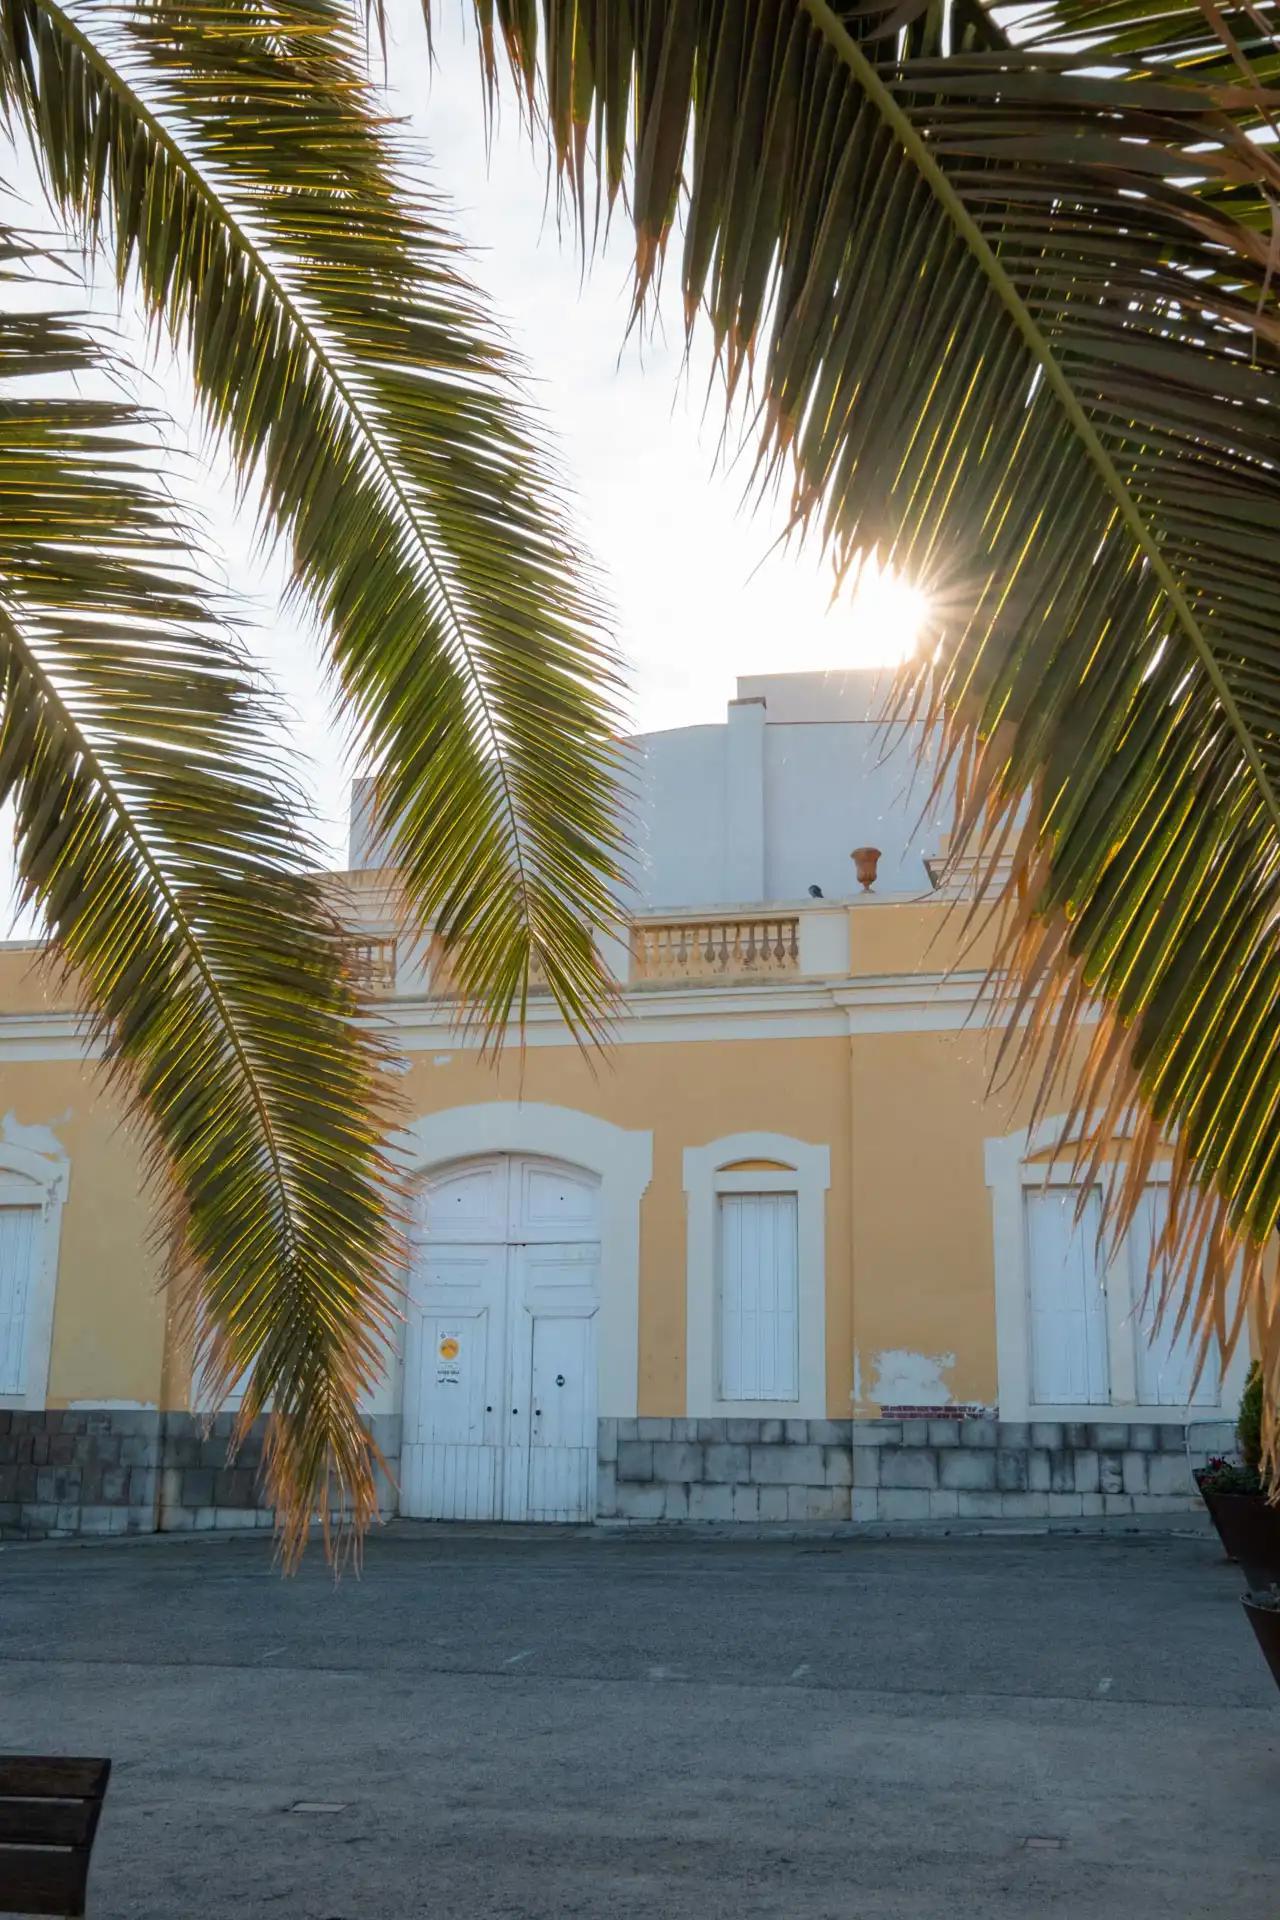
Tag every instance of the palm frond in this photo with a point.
(234, 157)
(1010, 316)
(164, 846)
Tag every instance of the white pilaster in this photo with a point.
(743, 802)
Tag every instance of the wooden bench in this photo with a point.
(49, 1810)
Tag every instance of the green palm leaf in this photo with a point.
(1010, 318)
(234, 157)
(162, 842)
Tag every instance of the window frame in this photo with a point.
(756, 1189)
(1011, 1170)
(30, 1179)
(795, 1167)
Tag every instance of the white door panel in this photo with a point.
(515, 1459)
(562, 1454)
(19, 1237)
(552, 1203)
(500, 1359)
(759, 1297)
(454, 1385)
(554, 1293)
(515, 1497)
(1069, 1357)
(467, 1203)
(560, 1276)
(456, 1355)
(464, 1273)
(1166, 1362)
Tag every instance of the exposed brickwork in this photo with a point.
(973, 1412)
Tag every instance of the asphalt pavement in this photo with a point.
(575, 1723)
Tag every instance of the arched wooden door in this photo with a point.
(500, 1347)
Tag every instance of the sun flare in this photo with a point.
(888, 616)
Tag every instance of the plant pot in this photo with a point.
(1249, 1529)
(1264, 1618)
(1209, 1507)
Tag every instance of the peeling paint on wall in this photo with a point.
(35, 1138)
(906, 1379)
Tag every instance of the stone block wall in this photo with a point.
(116, 1470)
(107, 1470)
(953, 1467)
(725, 1469)
(987, 1469)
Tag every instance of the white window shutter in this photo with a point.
(19, 1237)
(1069, 1358)
(759, 1296)
(1166, 1365)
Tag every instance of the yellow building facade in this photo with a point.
(779, 1254)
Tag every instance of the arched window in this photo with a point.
(756, 1276)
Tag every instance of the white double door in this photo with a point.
(500, 1348)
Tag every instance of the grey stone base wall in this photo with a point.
(725, 1469)
(945, 1469)
(108, 1470)
(114, 1470)
(948, 1468)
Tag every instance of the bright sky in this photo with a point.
(699, 596)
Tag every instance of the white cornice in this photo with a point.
(783, 1010)
(792, 1010)
(62, 1035)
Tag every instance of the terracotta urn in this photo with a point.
(865, 861)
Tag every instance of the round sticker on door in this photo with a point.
(448, 1364)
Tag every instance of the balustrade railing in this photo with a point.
(444, 982)
(717, 947)
(737, 947)
(372, 960)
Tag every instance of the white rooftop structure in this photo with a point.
(771, 801)
(774, 799)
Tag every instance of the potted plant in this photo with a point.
(1235, 1493)
(1263, 1609)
